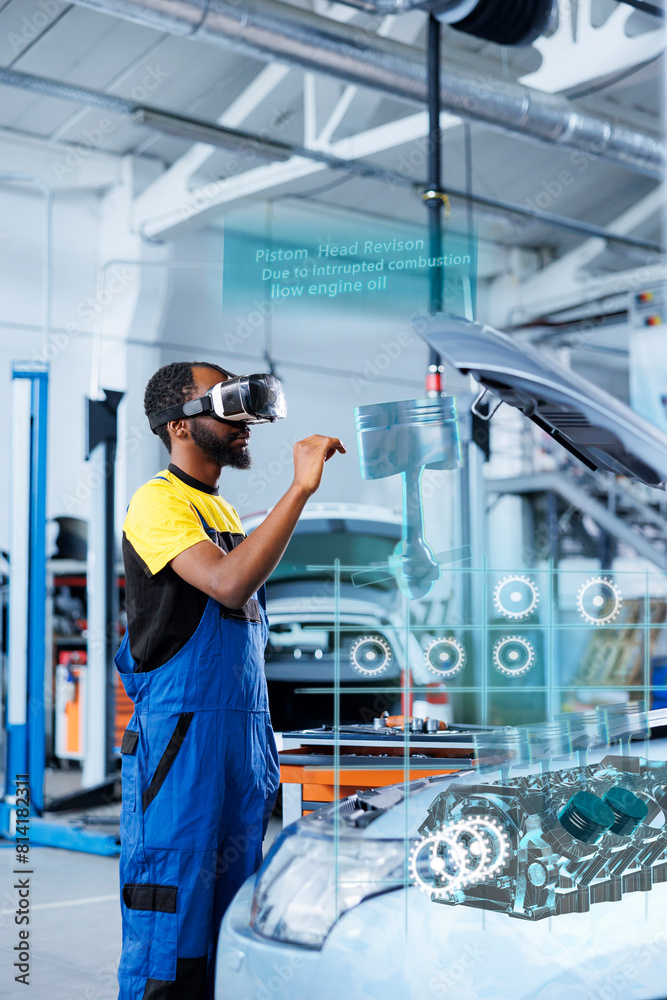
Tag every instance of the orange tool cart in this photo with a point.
(369, 756)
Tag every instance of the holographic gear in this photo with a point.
(370, 655)
(599, 600)
(513, 655)
(445, 657)
(462, 853)
(516, 597)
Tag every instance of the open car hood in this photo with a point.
(594, 426)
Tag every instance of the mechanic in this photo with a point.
(199, 763)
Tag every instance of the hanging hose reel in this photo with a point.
(506, 22)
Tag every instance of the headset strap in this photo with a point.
(192, 408)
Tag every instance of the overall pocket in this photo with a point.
(167, 759)
(128, 773)
(150, 931)
(237, 677)
(272, 775)
(178, 799)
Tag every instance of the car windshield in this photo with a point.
(354, 542)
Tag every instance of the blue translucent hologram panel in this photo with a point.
(530, 657)
(291, 259)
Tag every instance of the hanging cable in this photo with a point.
(434, 198)
(470, 208)
(596, 88)
(646, 7)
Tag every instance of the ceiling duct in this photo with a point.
(267, 30)
(196, 130)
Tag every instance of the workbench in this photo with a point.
(322, 765)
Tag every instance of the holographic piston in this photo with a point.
(405, 437)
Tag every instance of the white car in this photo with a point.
(478, 885)
(305, 618)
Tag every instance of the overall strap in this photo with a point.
(211, 532)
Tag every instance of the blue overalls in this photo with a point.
(200, 775)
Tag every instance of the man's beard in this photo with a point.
(219, 450)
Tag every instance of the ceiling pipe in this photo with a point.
(252, 144)
(451, 11)
(269, 30)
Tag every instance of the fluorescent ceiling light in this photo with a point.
(197, 130)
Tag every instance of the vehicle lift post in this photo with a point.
(24, 718)
(26, 675)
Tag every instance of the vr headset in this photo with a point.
(251, 399)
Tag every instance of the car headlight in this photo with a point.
(309, 881)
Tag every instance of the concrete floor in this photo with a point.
(75, 925)
(74, 929)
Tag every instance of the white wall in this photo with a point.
(74, 273)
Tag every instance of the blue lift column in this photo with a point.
(25, 717)
(25, 707)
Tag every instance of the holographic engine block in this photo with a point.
(549, 843)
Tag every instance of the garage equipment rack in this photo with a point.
(322, 765)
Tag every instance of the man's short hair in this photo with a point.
(172, 384)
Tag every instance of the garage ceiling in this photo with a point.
(80, 46)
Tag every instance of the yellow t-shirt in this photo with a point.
(163, 519)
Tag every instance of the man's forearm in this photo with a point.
(233, 578)
(249, 565)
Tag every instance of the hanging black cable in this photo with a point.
(612, 81)
(647, 8)
(434, 197)
(470, 208)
